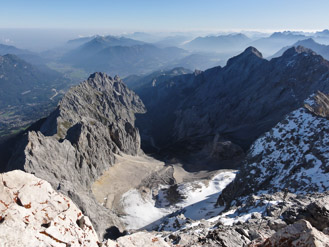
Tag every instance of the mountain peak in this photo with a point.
(298, 50)
(253, 50)
(12, 57)
(93, 122)
(247, 54)
(96, 75)
(308, 41)
(302, 49)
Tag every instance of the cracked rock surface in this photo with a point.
(32, 213)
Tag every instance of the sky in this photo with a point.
(166, 15)
(42, 24)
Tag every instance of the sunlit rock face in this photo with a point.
(32, 213)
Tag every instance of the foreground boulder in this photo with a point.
(32, 213)
(300, 233)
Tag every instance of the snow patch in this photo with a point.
(198, 202)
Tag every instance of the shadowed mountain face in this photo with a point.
(135, 82)
(238, 102)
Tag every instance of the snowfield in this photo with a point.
(197, 202)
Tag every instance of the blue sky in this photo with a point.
(166, 15)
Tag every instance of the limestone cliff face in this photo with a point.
(77, 142)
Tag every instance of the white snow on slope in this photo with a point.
(295, 153)
(140, 211)
(199, 201)
(232, 217)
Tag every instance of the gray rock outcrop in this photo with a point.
(77, 142)
(300, 233)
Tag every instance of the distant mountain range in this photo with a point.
(142, 53)
(222, 43)
(9, 49)
(276, 41)
(123, 60)
(235, 43)
(124, 56)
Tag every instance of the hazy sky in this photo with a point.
(166, 15)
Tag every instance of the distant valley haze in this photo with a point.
(39, 25)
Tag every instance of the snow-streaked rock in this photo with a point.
(293, 155)
(32, 213)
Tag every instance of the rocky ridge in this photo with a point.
(93, 121)
(236, 103)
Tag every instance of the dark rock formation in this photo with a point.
(238, 102)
